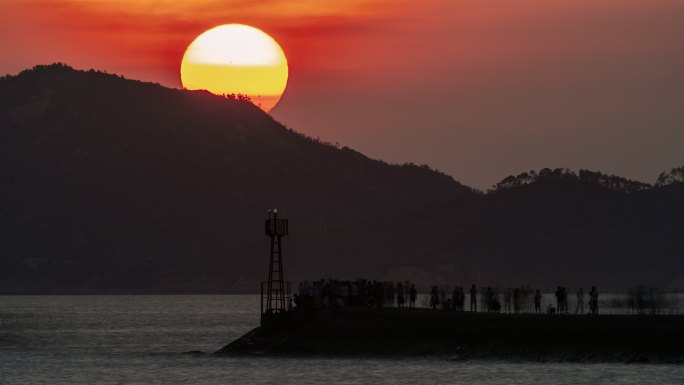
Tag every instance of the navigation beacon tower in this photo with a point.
(277, 290)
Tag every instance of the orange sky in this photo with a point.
(479, 89)
(146, 39)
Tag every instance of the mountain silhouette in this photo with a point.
(115, 185)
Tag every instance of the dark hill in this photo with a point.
(586, 228)
(108, 184)
(113, 183)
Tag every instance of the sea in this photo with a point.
(140, 339)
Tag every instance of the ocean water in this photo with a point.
(140, 340)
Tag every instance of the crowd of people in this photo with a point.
(561, 295)
(510, 300)
(362, 292)
(642, 300)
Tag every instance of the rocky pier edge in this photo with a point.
(468, 336)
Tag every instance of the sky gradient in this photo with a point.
(477, 89)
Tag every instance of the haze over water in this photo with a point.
(139, 339)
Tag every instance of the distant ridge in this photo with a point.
(115, 185)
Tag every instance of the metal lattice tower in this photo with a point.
(276, 296)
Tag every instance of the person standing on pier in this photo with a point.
(593, 300)
(516, 300)
(390, 294)
(580, 302)
(434, 298)
(537, 302)
(455, 298)
(400, 295)
(473, 298)
(413, 293)
(508, 296)
(489, 298)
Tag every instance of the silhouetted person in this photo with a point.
(537, 302)
(344, 294)
(473, 298)
(496, 305)
(379, 295)
(400, 295)
(489, 297)
(631, 301)
(593, 300)
(508, 296)
(413, 293)
(516, 300)
(652, 301)
(579, 309)
(390, 294)
(454, 299)
(640, 303)
(461, 299)
(327, 294)
(354, 293)
(443, 297)
(434, 298)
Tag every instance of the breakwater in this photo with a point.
(464, 336)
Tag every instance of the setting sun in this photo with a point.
(236, 59)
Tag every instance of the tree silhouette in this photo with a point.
(675, 175)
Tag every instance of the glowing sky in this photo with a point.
(478, 89)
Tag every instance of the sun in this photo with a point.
(236, 59)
